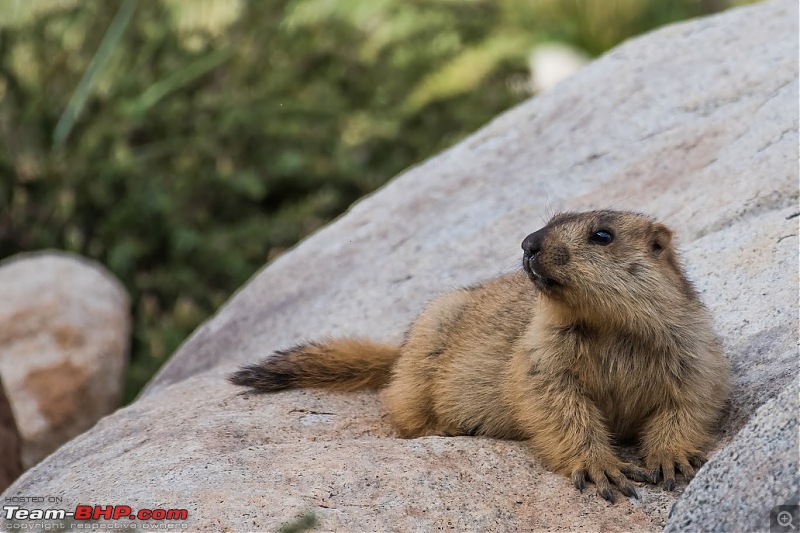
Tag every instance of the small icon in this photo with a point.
(784, 518)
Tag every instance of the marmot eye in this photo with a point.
(602, 237)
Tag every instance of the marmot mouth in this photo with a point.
(537, 275)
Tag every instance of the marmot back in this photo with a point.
(600, 338)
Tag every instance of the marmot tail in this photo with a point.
(338, 364)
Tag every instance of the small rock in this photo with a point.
(64, 335)
(551, 63)
(10, 462)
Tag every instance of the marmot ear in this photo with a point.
(660, 239)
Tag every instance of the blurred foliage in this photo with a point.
(305, 522)
(184, 143)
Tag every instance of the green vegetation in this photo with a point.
(185, 143)
(305, 522)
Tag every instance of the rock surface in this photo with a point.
(760, 467)
(695, 124)
(10, 457)
(64, 334)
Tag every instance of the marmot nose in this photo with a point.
(532, 244)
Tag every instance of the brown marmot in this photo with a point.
(601, 339)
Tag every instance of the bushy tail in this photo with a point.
(338, 364)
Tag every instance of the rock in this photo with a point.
(759, 467)
(551, 63)
(64, 335)
(10, 461)
(695, 124)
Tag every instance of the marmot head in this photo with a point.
(602, 262)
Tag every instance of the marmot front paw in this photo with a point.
(665, 462)
(617, 472)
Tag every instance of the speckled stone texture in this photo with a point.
(756, 472)
(695, 124)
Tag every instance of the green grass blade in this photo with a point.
(96, 66)
(176, 81)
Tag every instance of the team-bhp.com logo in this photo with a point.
(16, 514)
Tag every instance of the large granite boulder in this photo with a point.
(64, 335)
(695, 124)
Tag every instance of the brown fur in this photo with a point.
(595, 343)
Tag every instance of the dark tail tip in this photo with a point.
(260, 379)
(245, 376)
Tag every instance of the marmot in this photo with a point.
(599, 339)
